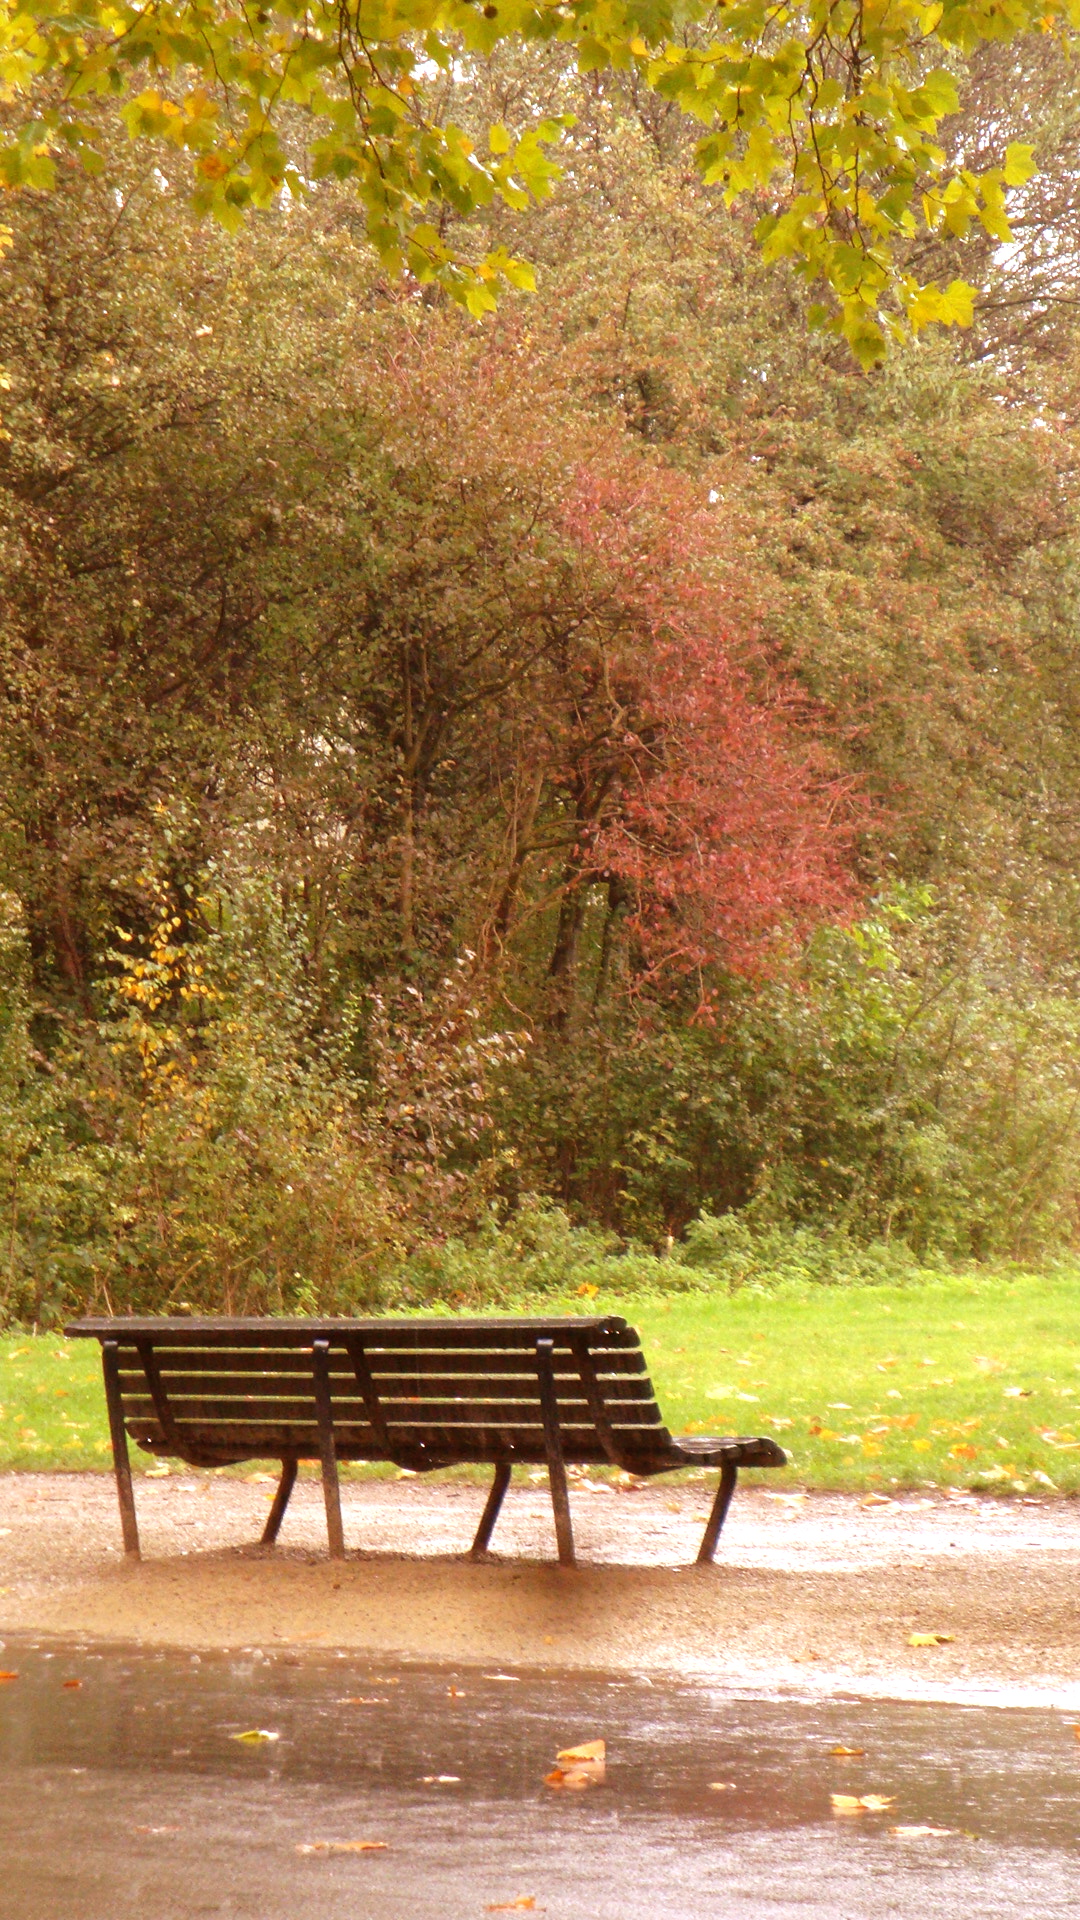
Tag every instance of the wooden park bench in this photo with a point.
(421, 1393)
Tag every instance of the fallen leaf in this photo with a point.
(847, 1753)
(877, 1500)
(455, 1693)
(578, 1768)
(255, 1736)
(441, 1780)
(1076, 1724)
(921, 1833)
(71, 1685)
(929, 1639)
(721, 1786)
(8, 1676)
(363, 1700)
(342, 1846)
(157, 1829)
(525, 1903)
(861, 1803)
(514, 1677)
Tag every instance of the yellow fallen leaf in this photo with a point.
(721, 1786)
(441, 1780)
(861, 1803)
(929, 1639)
(590, 1750)
(8, 1676)
(590, 1773)
(363, 1700)
(342, 1846)
(255, 1736)
(525, 1903)
(847, 1753)
(921, 1833)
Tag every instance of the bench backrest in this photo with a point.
(418, 1392)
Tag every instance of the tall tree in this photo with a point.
(826, 115)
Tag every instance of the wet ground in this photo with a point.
(818, 1593)
(127, 1795)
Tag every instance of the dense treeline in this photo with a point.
(614, 752)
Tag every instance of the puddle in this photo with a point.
(125, 1797)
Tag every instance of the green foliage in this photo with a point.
(912, 1079)
(209, 1152)
(345, 615)
(831, 113)
(536, 1253)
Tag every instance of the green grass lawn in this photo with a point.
(968, 1381)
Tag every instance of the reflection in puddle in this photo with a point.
(130, 1795)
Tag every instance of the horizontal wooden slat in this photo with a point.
(186, 1361)
(191, 1415)
(259, 1438)
(185, 1392)
(563, 1361)
(404, 1332)
(461, 1412)
(481, 1386)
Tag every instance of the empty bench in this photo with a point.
(420, 1393)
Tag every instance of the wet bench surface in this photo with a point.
(418, 1393)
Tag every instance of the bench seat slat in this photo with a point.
(298, 1360)
(188, 1396)
(476, 1385)
(192, 1419)
(193, 1412)
(259, 1440)
(392, 1335)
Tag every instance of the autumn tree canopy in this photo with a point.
(608, 749)
(826, 116)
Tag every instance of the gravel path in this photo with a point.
(814, 1593)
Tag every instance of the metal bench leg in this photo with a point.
(490, 1514)
(327, 1451)
(729, 1473)
(281, 1500)
(549, 1408)
(118, 1435)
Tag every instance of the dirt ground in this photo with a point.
(815, 1593)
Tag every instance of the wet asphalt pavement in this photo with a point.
(126, 1796)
